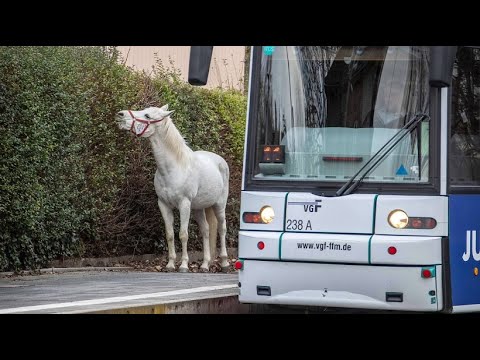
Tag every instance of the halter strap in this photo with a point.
(143, 121)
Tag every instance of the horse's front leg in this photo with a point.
(184, 209)
(167, 215)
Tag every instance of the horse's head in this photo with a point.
(143, 122)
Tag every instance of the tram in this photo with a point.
(361, 177)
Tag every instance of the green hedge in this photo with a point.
(73, 184)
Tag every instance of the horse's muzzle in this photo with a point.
(122, 124)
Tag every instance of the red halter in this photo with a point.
(137, 130)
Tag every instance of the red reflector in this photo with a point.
(430, 223)
(257, 218)
(421, 223)
(261, 245)
(416, 223)
(238, 265)
(251, 217)
(426, 273)
(248, 217)
(392, 250)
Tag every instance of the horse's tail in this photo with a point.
(212, 231)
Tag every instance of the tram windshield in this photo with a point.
(322, 112)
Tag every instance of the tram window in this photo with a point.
(464, 165)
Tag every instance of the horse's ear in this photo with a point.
(164, 107)
(167, 113)
(164, 113)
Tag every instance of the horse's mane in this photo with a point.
(175, 141)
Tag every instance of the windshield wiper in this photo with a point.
(350, 185)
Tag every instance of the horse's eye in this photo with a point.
(147, 116)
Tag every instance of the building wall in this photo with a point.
(226, 70)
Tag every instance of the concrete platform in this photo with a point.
(115, 291)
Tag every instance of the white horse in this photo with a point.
(185, 180)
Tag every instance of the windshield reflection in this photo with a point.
(340, 103)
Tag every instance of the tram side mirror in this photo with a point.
(441, 65)
(199, 65)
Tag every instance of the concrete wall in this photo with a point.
(226, 70)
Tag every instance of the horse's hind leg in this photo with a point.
(204, 231)
(222, 231)
(184, 209)
(167, 215)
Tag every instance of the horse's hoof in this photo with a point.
(183, 270)
(225, 268)
(170, 269)
(204, 269)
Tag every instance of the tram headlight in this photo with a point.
(264, 216)
(398, 219)
(267, 214)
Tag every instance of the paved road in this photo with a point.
(75, 292)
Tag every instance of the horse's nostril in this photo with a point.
(120, 113)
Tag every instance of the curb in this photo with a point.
(220, 304)
(55, 270)
(109, 262)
